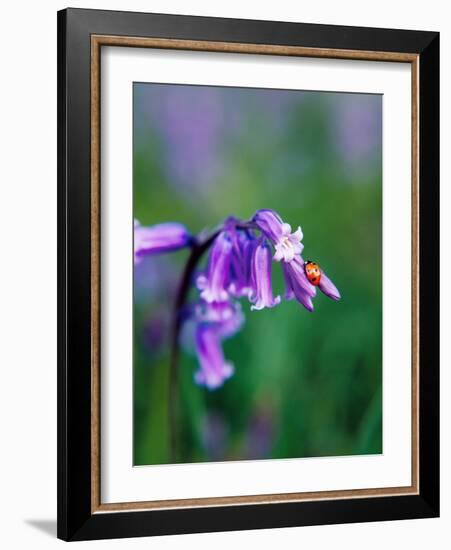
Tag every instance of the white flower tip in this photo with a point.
(228, 369)
(289, 255)
(207, 295)
(278, 256)
(335, 295)
(223, 296)
(286, 228)
(298, 234)
(261, 305)
(232, 288)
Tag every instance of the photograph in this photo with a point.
(248, 273)
(257, 274)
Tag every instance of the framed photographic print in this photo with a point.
(248, 274)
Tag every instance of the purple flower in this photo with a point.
(286, 244)
(216, 321)
(214, 370)
(191, 121)
(289, 244)
(260, 432)
(297, 284)
(225, 317)
(269, 223)
(299, 287)
(357, 125)
(215, 435)
(328, 288)
(214, 284)
(240, 266)
(164, 237)
(261, 294)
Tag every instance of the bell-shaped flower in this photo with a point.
(297, 285)
(300, 288)
(163, 237)
(213, 284)
(213, 370)
(240, 266)
(287, 244)
(261, 294)
(226, 317)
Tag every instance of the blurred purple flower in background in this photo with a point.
(215, 321)
(215, 435)
(213, 368)
(239, 265)
(155, 331)
(260, 432)
(196, 125)
(357, 129)
(155, 279)
(225, 317)
(191, 121)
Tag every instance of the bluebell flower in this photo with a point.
(163, 237)
(297, 285)
(214, 370)
(261, 295)
(287, 244)
(213, 284)
(240, 283)
(215, 322)
(239, 265)
(225, 317)
(300, 288)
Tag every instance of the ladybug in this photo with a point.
(313, 272)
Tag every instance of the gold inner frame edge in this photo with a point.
(97, 41)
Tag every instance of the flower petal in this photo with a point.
(261, 294)
(269, 223)
(214, 369)
(328, 288)
(298, 234)
(286, 228)
(286, 244)
(296, 267)
(214, 284)
(297, 285)
(240, 266)
(163, 237)
(278, 256)
(226, 317)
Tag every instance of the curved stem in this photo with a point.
(197, 251)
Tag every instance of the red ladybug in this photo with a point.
(313, 272)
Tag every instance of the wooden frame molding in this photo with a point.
(97, 41)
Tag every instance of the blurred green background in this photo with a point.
(305, 384)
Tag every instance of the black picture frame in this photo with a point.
(76, 520)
